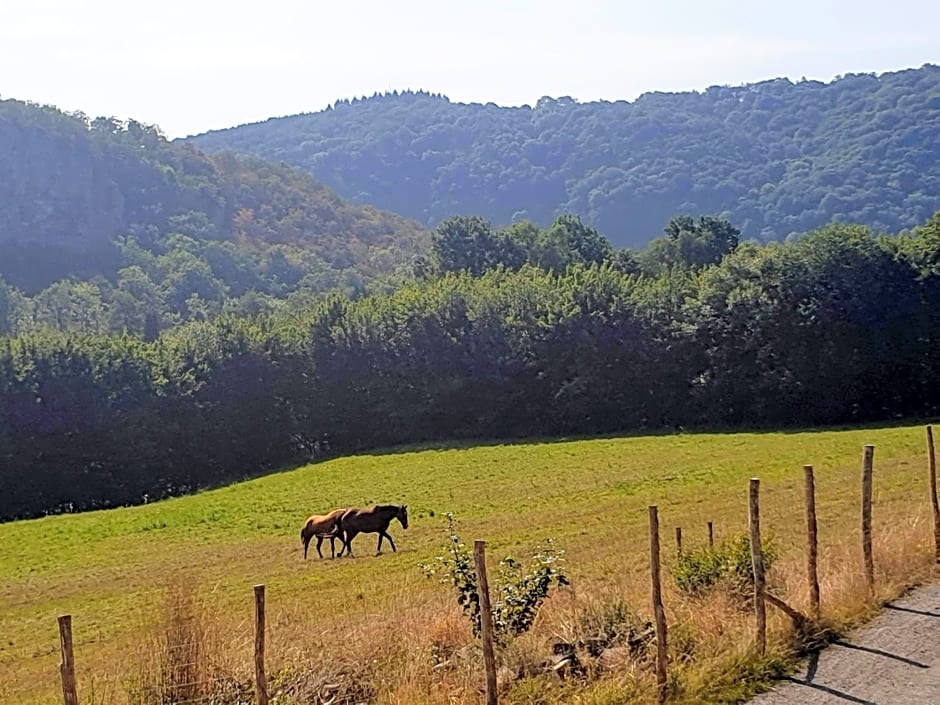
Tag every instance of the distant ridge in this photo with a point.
(775, 157)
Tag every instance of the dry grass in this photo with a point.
(373, 630)
(182, 657)
(425, 655)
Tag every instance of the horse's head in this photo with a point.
(402, 516)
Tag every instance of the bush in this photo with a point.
(517, 590)
(740, 570)
(698, 571)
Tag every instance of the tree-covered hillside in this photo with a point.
(109, 222)
(774, 157)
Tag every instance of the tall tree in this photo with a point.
(691, 244)
(469, 244)
(569, 241)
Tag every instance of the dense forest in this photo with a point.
(774, 157)
(517, 332)
(171, 320)
(105, 226)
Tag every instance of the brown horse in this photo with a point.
(371, 521)
(327, 526)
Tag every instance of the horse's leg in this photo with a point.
(347, 542)
(341, 535)
(388, 536)
(319, 543)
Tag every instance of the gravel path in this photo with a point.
(895, 660)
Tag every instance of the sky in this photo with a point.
(191, 66)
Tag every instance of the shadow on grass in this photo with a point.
(652, 432)
(453, 444)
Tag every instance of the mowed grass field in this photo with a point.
(111, 569)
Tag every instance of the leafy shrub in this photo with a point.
(698, 571)
(517, 590)
(738, 557)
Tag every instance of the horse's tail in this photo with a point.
(305, 537)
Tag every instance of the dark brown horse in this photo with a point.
(326, 526)
(371, 521)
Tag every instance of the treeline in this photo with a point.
(775, 157)
(838, 326)
(198, 278)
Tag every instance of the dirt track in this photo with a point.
(895, 660)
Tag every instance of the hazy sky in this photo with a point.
(191, 66)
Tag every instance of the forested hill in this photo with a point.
(775, 157)
(116, 203)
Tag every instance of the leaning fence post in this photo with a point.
(711, 535)
(261, 683)
(867, 463)
(486, 620)
(658, 611)
(932, 469)
(812, 543)
(67, 667)
(757, 563)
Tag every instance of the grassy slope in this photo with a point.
(110, 569)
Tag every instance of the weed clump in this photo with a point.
(184, 665)
(614, 624)
(698, 571)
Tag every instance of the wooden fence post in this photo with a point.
(711, 535)
(679, 540)
(932, 469)
(67, 667)
(757, 563)
(486, 620)
(261, 683)
(812, 542)
(867, 464)
(658, 611)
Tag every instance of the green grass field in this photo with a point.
(110, 569)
